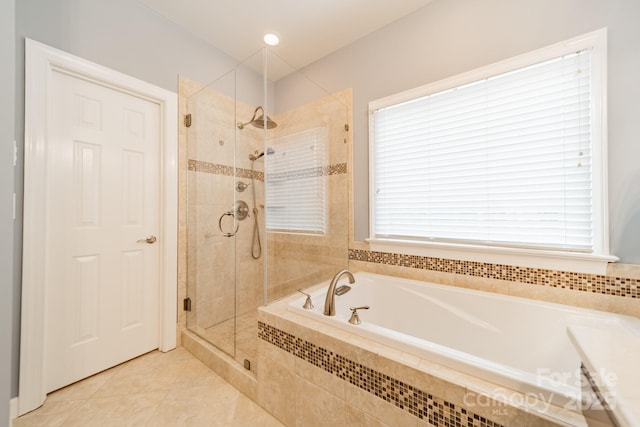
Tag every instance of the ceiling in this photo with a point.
(308, 30)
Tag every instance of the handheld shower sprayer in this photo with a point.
(256, 245)
(256, 155)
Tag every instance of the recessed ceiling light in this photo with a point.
(271, 39)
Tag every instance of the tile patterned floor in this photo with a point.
(156, 389)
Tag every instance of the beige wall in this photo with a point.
(297, 260)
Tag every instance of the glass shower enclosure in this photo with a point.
(267, 196)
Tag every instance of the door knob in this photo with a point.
(150, 240)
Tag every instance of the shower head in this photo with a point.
(259, 121)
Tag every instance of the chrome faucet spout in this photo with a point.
(330, 300)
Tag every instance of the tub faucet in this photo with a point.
(330, 300)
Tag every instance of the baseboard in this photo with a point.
(13, 409)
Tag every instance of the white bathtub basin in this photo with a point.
(514, 342)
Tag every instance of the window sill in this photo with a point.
(544, 259)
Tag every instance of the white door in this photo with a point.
(103, 201)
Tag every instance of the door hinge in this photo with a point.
(186, 304)
(187, 120)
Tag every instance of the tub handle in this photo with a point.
(355, 319)
(307, 304)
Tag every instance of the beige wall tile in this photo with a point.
(320, 378)
(295, 260)
(243, 380)
(378, 408)
(628, 306)
(277, 386)
(544, 293)
(316, 407)
(623, 270)
(206, 354)
(357, 418)
(595, 301)
(276, 354)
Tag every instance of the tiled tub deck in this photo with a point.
(314, 374)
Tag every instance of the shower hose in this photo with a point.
(256, 246)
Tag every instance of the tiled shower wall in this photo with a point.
(298, 260)
(206, 163)
(217, 272)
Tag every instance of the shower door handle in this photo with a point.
(239, 212)
(150, 240)
(224, 233)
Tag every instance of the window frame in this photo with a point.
(594, 262)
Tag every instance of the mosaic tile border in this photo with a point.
(421, 404)
(219, 169)
(335, 169)
(594, 283)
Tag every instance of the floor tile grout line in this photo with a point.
(89, 402)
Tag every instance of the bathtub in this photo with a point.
(513, 342)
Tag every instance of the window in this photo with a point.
(295, 178)
(510, 156)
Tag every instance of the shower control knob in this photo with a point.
(241, 186)
(241, 210)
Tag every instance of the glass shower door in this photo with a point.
(213, 214)
(225, 221)
(267, 196)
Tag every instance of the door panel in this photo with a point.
(103, 183)
(86, 299)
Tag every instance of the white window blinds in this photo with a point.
(295, 181)
(502, 161)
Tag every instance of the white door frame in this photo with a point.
(40, 62)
